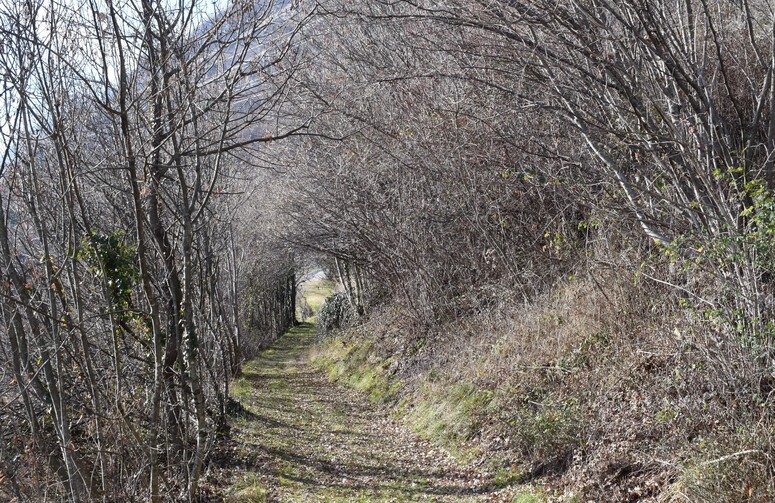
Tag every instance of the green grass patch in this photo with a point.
(240, 388)
(248, 489)
(449, 414)
(529, 495)
(354, 365)
(446, 414)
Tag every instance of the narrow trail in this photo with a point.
(302, 438)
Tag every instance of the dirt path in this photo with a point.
(301, 438)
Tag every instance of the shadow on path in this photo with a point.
(306, 439)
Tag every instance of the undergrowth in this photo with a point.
(612, 393)
(354, 365)
(449, 415)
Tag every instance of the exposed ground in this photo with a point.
(299, 437)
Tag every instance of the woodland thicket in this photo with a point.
(558, 180)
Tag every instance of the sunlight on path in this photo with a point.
(302, 438)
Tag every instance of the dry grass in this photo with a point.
(602, 389)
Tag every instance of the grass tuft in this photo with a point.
(449, 416)
(353, 365)
(248, 489)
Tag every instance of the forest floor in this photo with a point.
(297, 437)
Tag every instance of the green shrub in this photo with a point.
(548, 430)
(335, 313)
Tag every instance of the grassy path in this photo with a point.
(301, 438)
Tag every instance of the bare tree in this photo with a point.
(122, 133)
(659, 109)
(418, 175)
